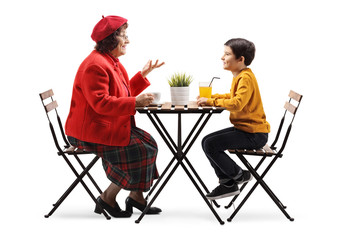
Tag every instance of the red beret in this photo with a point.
(106, 26)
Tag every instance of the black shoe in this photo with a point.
(130, 203)
(245, 177)
(113, 211)
(222, 191)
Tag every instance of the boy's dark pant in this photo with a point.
(216, 143)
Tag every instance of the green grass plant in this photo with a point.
(180, 80)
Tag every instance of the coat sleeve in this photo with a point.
(95, 87)
(138, 83)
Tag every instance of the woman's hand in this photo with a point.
(144, 100)
(201, 101)
(149, 67)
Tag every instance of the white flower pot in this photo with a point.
(179, 95)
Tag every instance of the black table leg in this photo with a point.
(179, 155)
(170, 140)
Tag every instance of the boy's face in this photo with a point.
(229, 60)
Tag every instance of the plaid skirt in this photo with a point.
(131, 167)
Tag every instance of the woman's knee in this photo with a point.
(154, 150)
(153, 145)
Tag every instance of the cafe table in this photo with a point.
(179, 149)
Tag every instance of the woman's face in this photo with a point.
(121, 47)
(229, 60)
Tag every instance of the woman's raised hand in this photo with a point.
(149, 67)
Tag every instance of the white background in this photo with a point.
(308, 46)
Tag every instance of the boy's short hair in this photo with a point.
(242, 47)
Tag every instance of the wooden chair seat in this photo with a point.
(74, 150)
(264, 151)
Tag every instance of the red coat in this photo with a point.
(101, 107)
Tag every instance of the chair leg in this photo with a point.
(74, 184)
(88, 174)
(242, 203)
(264, 186)
(244, 185)
(262, 177)
(236, 196)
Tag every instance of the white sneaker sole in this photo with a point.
(224, 195)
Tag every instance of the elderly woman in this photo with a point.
(101, 118)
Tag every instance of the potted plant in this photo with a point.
(179, 88)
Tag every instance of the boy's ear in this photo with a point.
(241, 59)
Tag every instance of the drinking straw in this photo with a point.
(212, 80)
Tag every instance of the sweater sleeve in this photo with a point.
(241, 97)
(95, 87)
(217, 95)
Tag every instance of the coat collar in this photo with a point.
(114, 60)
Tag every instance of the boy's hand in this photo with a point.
(201, 101)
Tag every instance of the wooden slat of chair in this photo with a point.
(236, 150)
(47, 94)
(260, 151)
(291, 108)
(241, 150)
(266, 150)
(51, 106)
(72, 150)
(295, 95)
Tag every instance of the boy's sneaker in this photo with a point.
(222, 191)
(245, 177)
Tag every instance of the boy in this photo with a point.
(250, 128)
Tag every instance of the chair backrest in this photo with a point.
(50, 106)
(291, 109)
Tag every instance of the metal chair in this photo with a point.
(266, 152)
(68, 150)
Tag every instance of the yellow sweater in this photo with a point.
(244, 103)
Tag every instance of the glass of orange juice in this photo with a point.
(205, 89)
